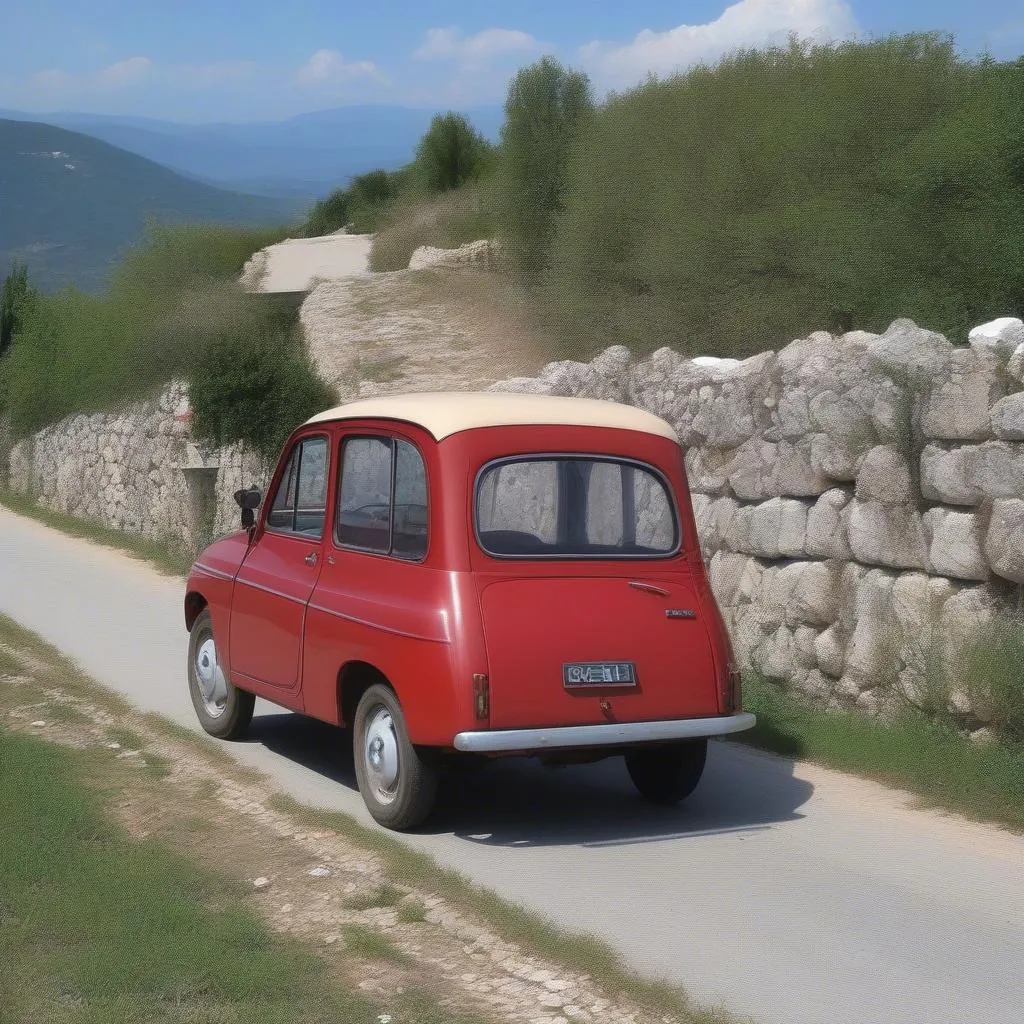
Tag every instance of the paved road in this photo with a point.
(785, 891)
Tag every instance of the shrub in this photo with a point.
(15, 297)
(994, 669)
(546, 110)
(254, 389)
(77, 352)
(361, 204)
(451, 153)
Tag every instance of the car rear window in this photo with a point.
(569, 507)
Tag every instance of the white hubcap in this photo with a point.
(380, 755)
(213, 687)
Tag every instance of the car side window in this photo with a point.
(300, 504)
(382, 499)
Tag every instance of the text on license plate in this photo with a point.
(598, 673)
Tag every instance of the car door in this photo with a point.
(276, 580)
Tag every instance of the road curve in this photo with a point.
(782, 890)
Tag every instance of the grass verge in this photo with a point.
(404, 885)
(95, 927)
(945, 769)
(160, 555)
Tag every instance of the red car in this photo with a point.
(492, 573)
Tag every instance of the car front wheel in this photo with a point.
(398, 782)
(666, 775)
(223, 710)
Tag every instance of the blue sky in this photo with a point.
(207, 60)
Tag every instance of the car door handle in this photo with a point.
(649, 588)
(311, 558)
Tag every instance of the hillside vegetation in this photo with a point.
(737, 206)
(70, 205)
(173, 309)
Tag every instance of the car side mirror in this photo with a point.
(248, 500)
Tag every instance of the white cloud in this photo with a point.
(450, 44)
(123, 72)
(111, 78)
(328, 67)
(748, 23)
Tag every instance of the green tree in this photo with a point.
(546, 110)
(451, 153)
(15, 296)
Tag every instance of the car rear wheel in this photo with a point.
(223, 710)
(666, 775)
(398, 781)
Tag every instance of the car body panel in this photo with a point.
(460, 621)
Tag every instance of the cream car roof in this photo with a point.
(447, 412)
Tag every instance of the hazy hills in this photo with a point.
(303, 157)
(71, 203)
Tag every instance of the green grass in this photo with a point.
(931, 759)
(385, 895)
(368, 944)
(412, 912)
(160, 555)
(9, 664)
(95, 928)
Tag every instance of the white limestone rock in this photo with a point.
(1007, 418)
(1004, 540)
(884, 476)
(887, 535)
(955, 544)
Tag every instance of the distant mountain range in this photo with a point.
(70, 203)
(301, 158)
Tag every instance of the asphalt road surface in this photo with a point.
(782, 890)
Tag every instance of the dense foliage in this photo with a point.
(15, 297)
(451, 153)
(547, 109)
(358, 207)
(736, 207)
(255, 389)
(170, 301)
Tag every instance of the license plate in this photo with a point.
(598, 673)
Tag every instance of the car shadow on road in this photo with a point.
(518, 802)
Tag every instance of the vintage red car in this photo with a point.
(498, 574)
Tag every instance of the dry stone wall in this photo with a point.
(136, 470)
(860, 498)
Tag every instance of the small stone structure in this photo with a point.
(860, 498)
(483, 254)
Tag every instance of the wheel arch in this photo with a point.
(354, 679)
(195, 602)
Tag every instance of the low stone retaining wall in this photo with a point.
(136, 470)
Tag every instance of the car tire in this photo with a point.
(669, 774)
(398, 781)
(223, 710)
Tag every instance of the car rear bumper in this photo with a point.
(605, 735)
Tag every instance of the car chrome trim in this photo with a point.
(242, 582)
(210, 571)
(612, 734)
(377, 625)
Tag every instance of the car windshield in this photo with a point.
(569, 507)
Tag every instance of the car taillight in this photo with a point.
(481, 696)
(734, 702)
